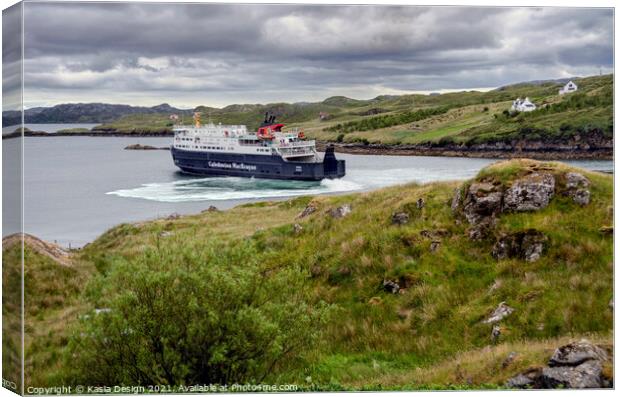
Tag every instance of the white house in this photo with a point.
(568, 88)
(522, 105)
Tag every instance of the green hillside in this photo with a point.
(261, 294)
(463, 117)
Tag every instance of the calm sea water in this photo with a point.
(78, 187)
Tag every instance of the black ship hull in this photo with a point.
(257, 166)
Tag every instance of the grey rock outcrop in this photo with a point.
(502, 311)
(496, 332)
(509, 359)
(434, 233)
(483, 200)
(577, 353)
(456, 200)
(481, 230)
(583, 376)
(530, 193)
(309, 210)
(400, 218)
(530, 379)
(581, 197)
(481, 204)
(340, 212)
(577, 188)
(575, 180)
(390, 286)
(578, 365)
(527, 245)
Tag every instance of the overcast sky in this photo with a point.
(200, 54)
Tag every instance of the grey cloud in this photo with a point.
(11, 58)
(208, 54)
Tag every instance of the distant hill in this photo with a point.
(581, 120)
(539, 82)
(455, 118)
(84, 113)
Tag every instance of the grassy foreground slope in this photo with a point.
(53, 283)
(454, 118)
(430, 335)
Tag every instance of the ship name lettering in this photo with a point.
(239, 166)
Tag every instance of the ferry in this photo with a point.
(270, 152)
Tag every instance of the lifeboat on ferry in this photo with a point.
(269, 127)
(268, 131)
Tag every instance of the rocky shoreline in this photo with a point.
(533, 150)
(593, 148)
(95, 133)
(138, 146)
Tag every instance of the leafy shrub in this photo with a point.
(446, 140)
(185, 317)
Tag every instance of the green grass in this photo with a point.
(412, 340)
(139, 123)
(11, 313)
(52, 299)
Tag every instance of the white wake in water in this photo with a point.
(232, 188)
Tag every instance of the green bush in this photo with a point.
(184, 317)
(446, 140)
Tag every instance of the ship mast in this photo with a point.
(197, 119)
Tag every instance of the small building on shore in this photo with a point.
(568, 88)
(522, 105)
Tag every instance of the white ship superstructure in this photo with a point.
(268, 153)
(236, 139)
